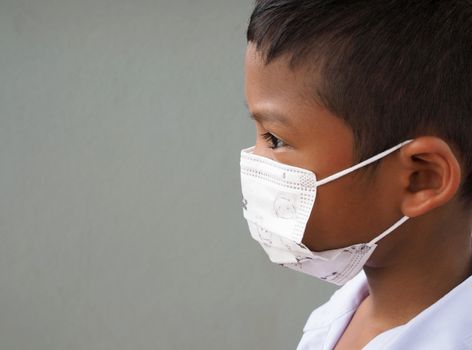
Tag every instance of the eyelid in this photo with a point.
(270, 132)
(281, 139)
(268, 137)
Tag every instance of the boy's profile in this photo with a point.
(329, 84)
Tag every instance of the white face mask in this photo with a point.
(277, 203)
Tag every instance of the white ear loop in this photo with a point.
(361, 164)
(393, 227)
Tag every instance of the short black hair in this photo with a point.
(392, 70)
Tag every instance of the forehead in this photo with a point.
(274, 81)
(278, 90)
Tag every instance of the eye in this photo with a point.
(274, 141)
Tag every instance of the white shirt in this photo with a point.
(445, 325)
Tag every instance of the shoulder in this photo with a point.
(445, 325)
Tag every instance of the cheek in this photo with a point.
(341, 216)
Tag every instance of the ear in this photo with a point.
(432, 175)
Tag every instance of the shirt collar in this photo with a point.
(344, 301)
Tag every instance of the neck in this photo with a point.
(401, 290)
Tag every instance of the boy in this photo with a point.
(331, 84)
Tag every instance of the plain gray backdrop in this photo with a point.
(121, 125)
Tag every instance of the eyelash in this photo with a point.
(272, 139)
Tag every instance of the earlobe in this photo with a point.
(432, 175)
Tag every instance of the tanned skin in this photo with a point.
(415, 265)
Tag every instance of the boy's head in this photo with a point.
(353, 78)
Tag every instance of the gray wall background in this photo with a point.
(121, 123)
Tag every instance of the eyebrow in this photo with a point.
(269, 116)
